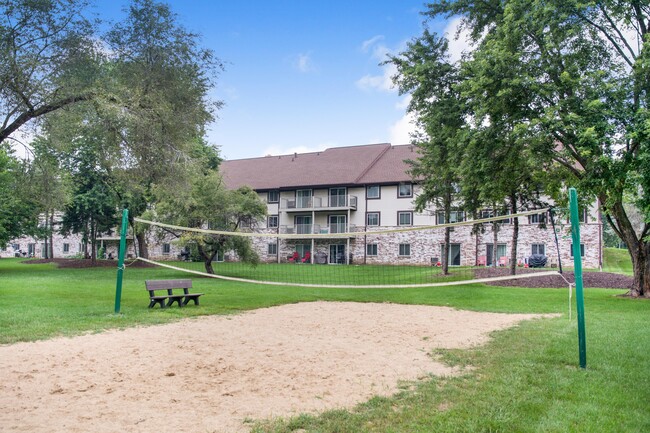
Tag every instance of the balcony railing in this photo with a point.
(318, 203)
(316, 229)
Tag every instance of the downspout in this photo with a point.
(600, 237)
(365, 224)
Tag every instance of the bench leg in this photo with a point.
(172, 300)
(157, 301)
(191, 298)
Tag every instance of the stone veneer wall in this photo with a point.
(73, 241)
(427, 245)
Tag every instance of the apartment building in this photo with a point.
(367, 188)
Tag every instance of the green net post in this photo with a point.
(120, 261)
(577, 266)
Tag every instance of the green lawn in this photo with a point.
(525, 380)
(617, 260)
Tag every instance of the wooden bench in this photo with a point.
(169, 286)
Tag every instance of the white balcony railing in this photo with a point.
(330, 202)
(317, 229)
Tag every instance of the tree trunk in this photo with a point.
(143, 250)
(51, 252)
(445, 252)
(93, 243)
(207, 259)
(641, 267)
(515, 237)
(638, 248)
(495, 239)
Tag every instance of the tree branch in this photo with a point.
(34, 113)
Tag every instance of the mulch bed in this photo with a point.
(605, 280)
(87, 263)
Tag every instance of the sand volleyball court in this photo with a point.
(212, 374)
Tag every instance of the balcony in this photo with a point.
(332, 202)
(317, 229)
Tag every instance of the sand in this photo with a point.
(216, 373)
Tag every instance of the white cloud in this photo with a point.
(400, 131)
(383, 82)
(304, 63)
(404, 103)
(459, 42)
(277, 150)
(365, 45)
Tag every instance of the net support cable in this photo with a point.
(341, 235)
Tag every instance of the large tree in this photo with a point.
(48, 59)
(162, 76)
(578, 95)
(425, 71)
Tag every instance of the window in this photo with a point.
(166, 248)
(373, 192)
(404, 249)
(582, 250)
(371, 249)
(405, 190)
(302, 249)
(17, 246)
(582, 216)
(338, 197)
(538, 249)
(273, 196)
(489, 213)
(337, 223)
(66, 248)
(404, 218)
(372, 218)
(272, 222)
(272, 249)
(303, 198)
(454, 217)
(246, 222)
(539, 218)
(453, 258)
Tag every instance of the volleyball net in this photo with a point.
(339, 255)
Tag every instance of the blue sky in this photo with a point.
(302, 75)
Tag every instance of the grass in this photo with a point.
(333, 275)
(525, 380)
(617, 260)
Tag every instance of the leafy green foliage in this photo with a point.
(558, 91)
(209, 204)
(18, 214)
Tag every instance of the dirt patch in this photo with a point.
(87, 263)
(604, 280)
(213, 373)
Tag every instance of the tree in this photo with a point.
(426, 73)
(92, 209)
(47, 185)
(48, 59)
(577, 95)
(17, 214)
(211, 205)
(162, 77)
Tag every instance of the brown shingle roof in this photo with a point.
(354, 165)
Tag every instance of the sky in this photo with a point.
(305, 75)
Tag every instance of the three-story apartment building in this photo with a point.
(344, 190)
